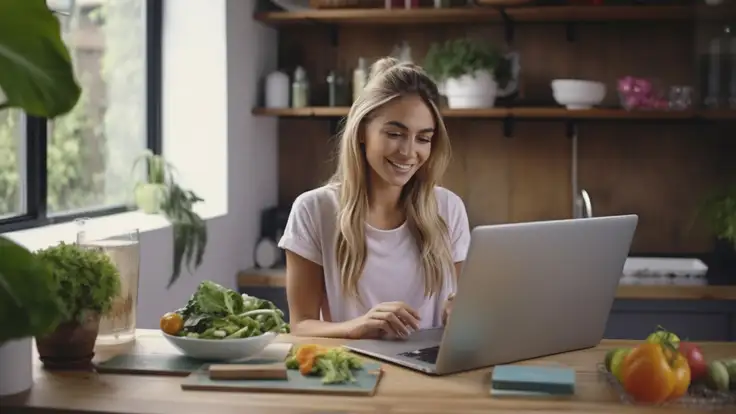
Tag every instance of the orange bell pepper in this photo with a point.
(655, 373)
(306, 356)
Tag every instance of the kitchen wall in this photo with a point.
(660, 169)
(204, 40)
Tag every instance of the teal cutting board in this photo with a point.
(178, 364)
(366, 384)
(152, 364)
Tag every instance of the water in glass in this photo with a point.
(123, 247)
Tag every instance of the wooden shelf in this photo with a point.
(707, 292)
(312, 111)
(521, 113)
(480, 15)
(276, 278)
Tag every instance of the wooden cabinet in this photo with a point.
(694, 320)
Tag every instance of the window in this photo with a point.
(80, 164)
(12, 199)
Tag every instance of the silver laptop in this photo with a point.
(526, 290)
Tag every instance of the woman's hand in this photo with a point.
(447, 308)
(392, 318)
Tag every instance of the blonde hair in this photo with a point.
(388, 80)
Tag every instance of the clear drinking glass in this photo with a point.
(123, 247)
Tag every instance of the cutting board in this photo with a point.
(366, 384)
(178, 364)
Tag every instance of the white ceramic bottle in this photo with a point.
(360, 78)
(277, 90)
(300, 89)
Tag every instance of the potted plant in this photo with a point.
(472, 73)
(149, 195)
(720, 211)
(36, 76)
(88, 282)
(29, 306)
(161, 194)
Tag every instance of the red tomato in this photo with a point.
(695, 359)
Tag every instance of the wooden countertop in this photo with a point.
(277, 278)
(400, 390)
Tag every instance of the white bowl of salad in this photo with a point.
(219, 324)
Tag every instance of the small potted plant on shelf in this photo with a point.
(87, 282)
(161, 194)
(470, 73)
(720, 211)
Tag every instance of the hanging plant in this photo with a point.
(160, 193)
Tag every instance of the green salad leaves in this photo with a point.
(216, 312)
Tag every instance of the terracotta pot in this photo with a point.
(71, 345)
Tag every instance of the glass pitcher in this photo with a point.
(123, 247)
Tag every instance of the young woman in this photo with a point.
(376, 251)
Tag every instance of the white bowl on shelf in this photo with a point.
(577, 93)
(221, 349)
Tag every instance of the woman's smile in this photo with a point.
(400, 167)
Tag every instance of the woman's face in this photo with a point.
(398, 139)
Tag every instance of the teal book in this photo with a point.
(540, 380)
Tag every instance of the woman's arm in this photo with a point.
(305, 292)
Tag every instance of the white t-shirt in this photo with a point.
(393, 270)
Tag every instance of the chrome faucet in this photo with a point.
(584, 207)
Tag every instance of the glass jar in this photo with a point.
(118, 325)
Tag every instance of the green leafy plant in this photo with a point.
(190, 230)
(158, 170)
(29, 302)
(86, 277)
(720, 212)
(36, 75)
(456, 57)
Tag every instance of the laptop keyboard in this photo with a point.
(428, 355)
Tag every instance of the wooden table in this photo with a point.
(400, 391)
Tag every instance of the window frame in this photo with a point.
(36, 134)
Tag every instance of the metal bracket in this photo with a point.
(508, 26)
(333, 31)
(571, 129)
(570, 31)
(508, 127)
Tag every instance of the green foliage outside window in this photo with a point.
(80, 173)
